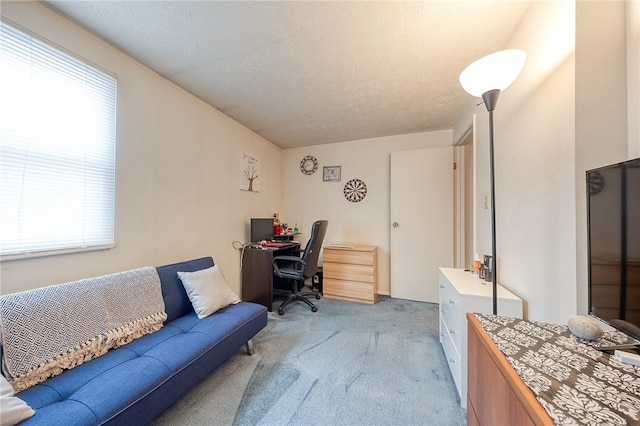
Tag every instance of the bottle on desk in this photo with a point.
(476, 264)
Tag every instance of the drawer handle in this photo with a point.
(452, 301)
(452, 331)
(441, 286)
(444, 311)
(452, 361)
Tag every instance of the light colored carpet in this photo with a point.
(347, 364)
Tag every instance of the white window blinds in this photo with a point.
(57, 149)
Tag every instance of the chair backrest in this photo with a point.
(313, 247)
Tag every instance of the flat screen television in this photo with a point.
(261, 229)
(613, 219)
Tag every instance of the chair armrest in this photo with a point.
(297, 262)
(288, 258)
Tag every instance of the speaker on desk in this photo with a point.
(316, 280)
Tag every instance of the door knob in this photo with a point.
(394, 224)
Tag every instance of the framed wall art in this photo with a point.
(249, 172)
(331, 173)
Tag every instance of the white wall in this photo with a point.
(307, 198)
(567, 112)
(534, 167)
(177, 171)
(536, 202)
(602, 128)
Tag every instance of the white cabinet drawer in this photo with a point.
(453, 358)
(450, 309)
(455, 334)
(445, 288)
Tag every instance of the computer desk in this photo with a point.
(257, 273)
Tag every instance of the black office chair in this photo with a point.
(299, 269)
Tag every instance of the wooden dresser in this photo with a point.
(497, 395)
(461, 292)
(350, 273)
(525, 372)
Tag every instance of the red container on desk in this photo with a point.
(277, 229)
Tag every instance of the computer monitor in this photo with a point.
(261, 229)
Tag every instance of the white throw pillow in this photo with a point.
(13, 410)
(208, 290)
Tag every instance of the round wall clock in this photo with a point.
(355, 190)
(596, 183)
(309, 165)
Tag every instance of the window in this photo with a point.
(57, 149)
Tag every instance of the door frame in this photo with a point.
(464, 198)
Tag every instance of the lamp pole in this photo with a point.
(490, 99)
(487, 77)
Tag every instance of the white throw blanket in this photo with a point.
(49, 329)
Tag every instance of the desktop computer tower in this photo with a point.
(316, 280)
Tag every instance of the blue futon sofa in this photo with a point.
(136, 382)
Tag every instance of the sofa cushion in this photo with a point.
(176, 301)
(67, 413)
(208, 290)
(141, 346)
(177, 352)
(116, 382)
(67, 383)
(122, 385)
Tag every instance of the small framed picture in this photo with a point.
(331, 173)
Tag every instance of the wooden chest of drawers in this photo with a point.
(350, 273)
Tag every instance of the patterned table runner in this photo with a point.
(575, 383)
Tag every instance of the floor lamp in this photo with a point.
(486, 78)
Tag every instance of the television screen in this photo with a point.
(261, 229)
(613, 218)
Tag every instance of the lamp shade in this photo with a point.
(494, 71)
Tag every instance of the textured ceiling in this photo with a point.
(306, 73)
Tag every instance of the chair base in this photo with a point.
(301, 297)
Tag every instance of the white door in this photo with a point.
(421, 221)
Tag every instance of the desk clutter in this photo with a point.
(283, 228)
(273, 244)
(272, 229)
